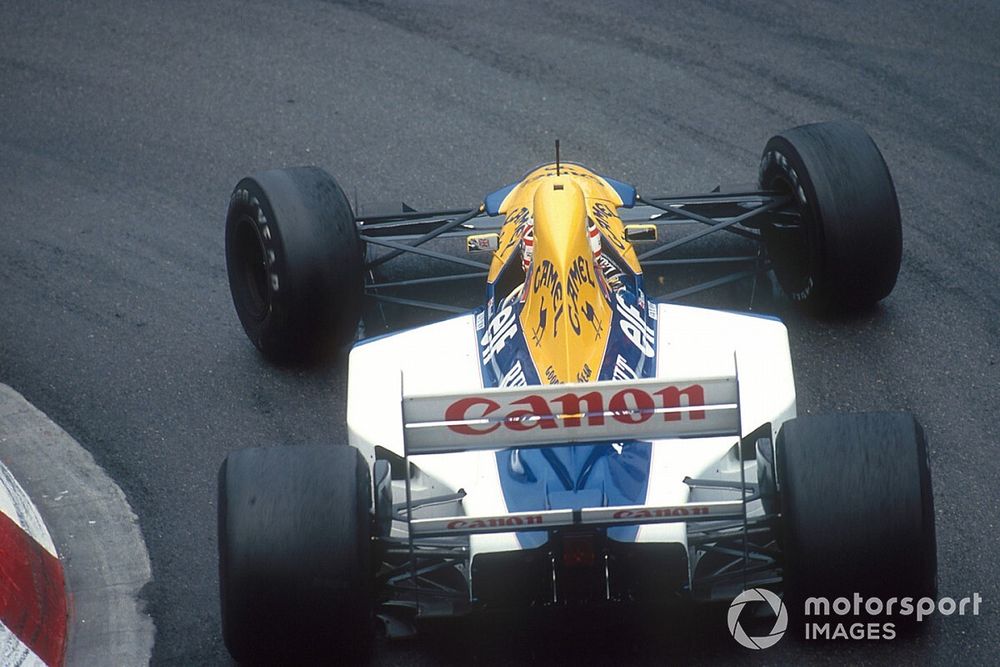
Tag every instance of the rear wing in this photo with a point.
(562, 414)
(565, 414)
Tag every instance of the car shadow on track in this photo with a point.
(689, 633)
(581, 637)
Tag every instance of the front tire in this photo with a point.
(845, 249)
(857, 509)
(295, 263)
(295, 557)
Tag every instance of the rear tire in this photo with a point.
(295, 560)
(846, 250)
(857, 509)
(295, 263)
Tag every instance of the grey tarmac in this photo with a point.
(125, 124)
(94, 530)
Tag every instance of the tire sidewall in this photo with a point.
(314, 257)
(845, 524)
(249, 204)
(782, 169)
(847, 251)
(296, 569)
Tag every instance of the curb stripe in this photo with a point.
(32, 593)
(16, 504)
(13, 652)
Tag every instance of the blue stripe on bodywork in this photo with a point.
(495, 199)
(576, 476)
(624, 190)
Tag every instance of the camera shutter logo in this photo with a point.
(780, 623)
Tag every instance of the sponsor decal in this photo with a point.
(495, 522)
(634, 326)
(659, 512)
(623, 371)
(501, 329)
(629, 405)
(514, 377)
(546, 279)
(518, 219)
(580, 274)
(603, 216)
(611, 272)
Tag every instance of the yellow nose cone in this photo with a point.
(565, 316)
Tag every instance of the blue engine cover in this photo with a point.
(573, 476)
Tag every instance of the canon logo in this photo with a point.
(630, 405)
(659, 512)
(496, 522)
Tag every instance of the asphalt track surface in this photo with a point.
(124, 125)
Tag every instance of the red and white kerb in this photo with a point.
(33, 604)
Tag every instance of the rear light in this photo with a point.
(578, 550)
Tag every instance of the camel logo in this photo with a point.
(780, 623)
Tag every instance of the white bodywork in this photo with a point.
(443, 357)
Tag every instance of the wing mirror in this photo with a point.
(480, 243)
(640, 233)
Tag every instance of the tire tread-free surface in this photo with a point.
(857, 506)
(295, 553)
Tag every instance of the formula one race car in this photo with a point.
(574, 440)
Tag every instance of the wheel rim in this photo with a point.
(251, 269)
(790, 249)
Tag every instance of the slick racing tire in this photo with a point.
(845, 248)
(295, 558)
(295, 263)
(857, 511)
